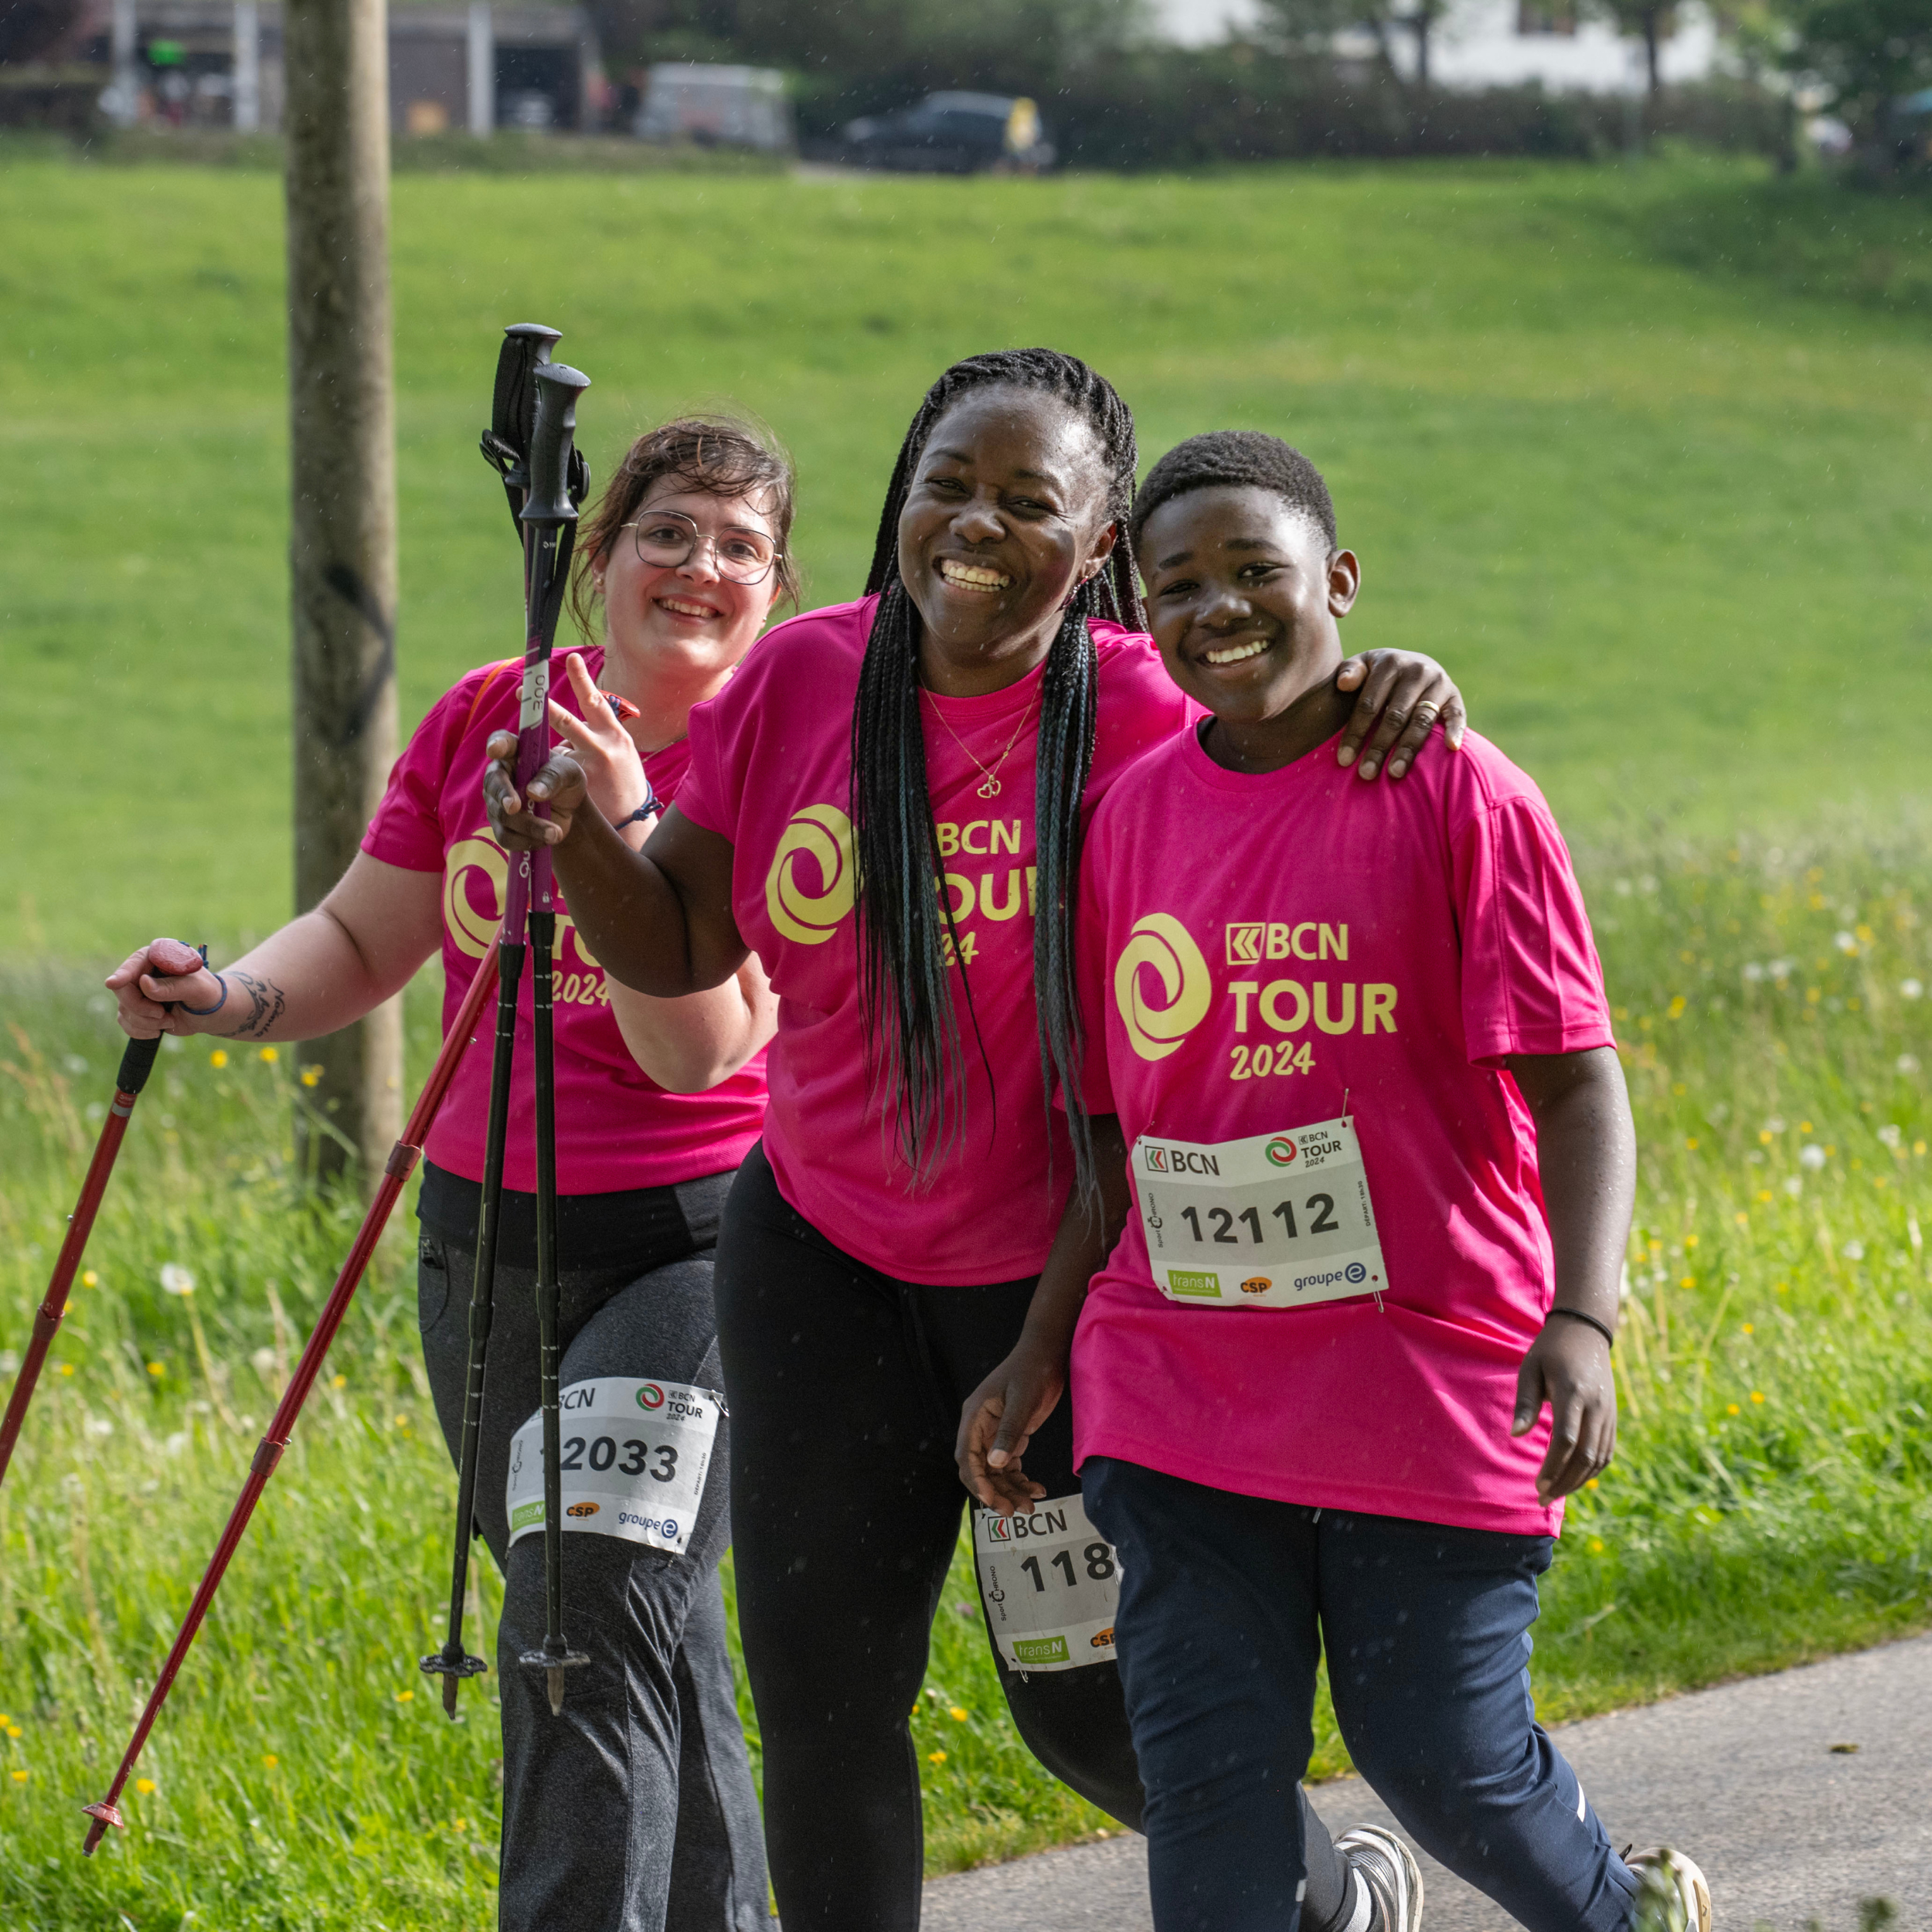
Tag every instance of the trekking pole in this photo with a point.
(396, 1170)
(137, 1063)
(452, 1663)
(507, 445)
(549, 517)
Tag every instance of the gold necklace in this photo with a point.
(990, 787)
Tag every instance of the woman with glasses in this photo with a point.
(636, 1808)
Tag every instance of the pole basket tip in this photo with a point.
(103, 1814)
(553, 1665)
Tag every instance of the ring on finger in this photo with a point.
(1426, 714)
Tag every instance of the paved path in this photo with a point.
(1744, 1777)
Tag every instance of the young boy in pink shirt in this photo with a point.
(1340, 1333)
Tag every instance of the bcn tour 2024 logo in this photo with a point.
(1164, 988)
(804, 912)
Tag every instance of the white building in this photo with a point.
(1495, 43)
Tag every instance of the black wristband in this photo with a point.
(1577, 1314)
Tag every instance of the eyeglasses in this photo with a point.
(666, 539)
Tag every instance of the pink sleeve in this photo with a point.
(407, 829)
(1089, 978)
(1531, 980)
(705, 795)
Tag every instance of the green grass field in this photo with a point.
(1642, 454)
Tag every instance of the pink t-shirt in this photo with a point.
(1409, 936)
(615, 1128)
(771, 770)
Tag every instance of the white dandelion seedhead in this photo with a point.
(1853, 1250)
(1891, 1133)
(1911, 989)
(1908, 1062)
(1793, 1187)
(1845, 942)
(1811, 1155)
(176, 1279)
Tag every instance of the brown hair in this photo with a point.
(722, 456)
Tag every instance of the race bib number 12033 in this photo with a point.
(1273, 1221)
(635, 1458)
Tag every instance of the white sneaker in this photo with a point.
(1681, 1882)
(1388, 1868)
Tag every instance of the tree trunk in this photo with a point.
(1652, 36)
(342, 535)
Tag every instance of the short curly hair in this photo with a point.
(1236, 459)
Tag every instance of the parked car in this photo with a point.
(953, 134)
(716, 106)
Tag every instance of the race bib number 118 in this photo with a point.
(1051, 1583)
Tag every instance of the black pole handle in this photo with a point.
(137, 1063)
(551, 441)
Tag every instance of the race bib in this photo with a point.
(1274, 1221)
(633, 1462)
(1051, 1582)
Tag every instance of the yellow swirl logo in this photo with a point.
(822, 834)
(1160, 941)
(475, 872)
(476, 878)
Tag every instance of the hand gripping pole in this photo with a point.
(401, 1164)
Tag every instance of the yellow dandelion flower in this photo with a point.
(1742, 1219)
(1763, 1137)
(13, 1730)
(218, 1057)
(268, 1056)
(1596, 1546)
(20, 1777)
(1750, 1328)
(1687, 1281)
(1763, 1194)
(1732, 1409)
(1784, 1287)
(144, 1785)
(338, 1382)
(1691, 1144)
(270, 1759)
(1690, 1241)
(932, 1757)
(5, 1720)
(460, 1824)
(957, 1713)
(310, 1075)
(1591, 1484)
(90, 1280)
(1757, 1395)
(157, 1370)
(66, 1368)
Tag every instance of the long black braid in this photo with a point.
(904, 916)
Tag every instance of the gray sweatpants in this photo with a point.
(634, 1810)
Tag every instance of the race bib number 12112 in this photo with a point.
(1273, 1221)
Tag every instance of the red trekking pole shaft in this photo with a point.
(137, 1063)
(396, 1170)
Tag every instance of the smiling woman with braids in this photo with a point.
(885, 803)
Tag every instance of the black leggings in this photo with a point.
(845, 1386)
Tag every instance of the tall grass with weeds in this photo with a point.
(1768, 1504)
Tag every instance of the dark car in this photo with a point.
(953, 134)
